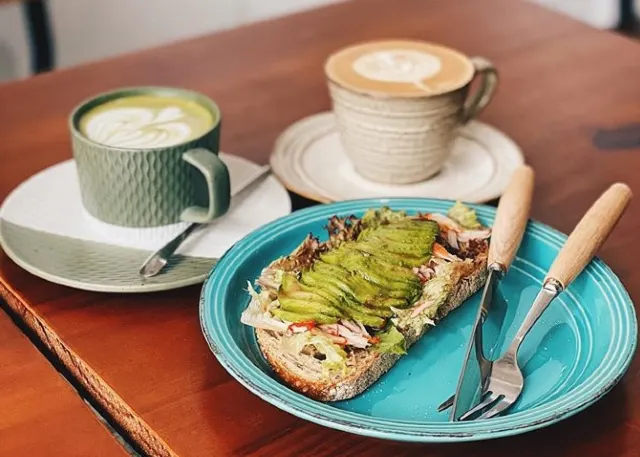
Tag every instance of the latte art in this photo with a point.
(145, 122)
(139, 127)
(397, 65)
(403, 68)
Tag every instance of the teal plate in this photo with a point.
(577, 351)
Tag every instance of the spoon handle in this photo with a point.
(157, 261)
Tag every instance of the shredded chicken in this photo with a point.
(424, 273)
(350, 333)
(452, 239)
(454, 232)
(351, 326)
(445, 223)
(364, 330)
(440, 252)
(331, 329)
(353, 339)
(469, 235)
(333, 338)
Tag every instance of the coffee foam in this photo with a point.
(401, 68)
(138, 127)
(126, 124)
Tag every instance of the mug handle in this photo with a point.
(488, 84)
(216, 174)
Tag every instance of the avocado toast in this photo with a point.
(334, 316)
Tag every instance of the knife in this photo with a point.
(507, 233)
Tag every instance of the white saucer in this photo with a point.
(45, 229)
(309, 159)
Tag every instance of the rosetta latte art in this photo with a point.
(133, 127)
(397, 65)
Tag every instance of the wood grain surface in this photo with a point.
(590, 234)
(40, 413)
(143, 357)
(511, 218)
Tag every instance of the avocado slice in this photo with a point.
(296, 305)
(316, 283)
(361, 279)
(389, 272)
(391, 258)
(403, 249)
(319, 278)
(395, 302)
(366, 319)
(298, 317)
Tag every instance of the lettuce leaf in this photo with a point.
(262, 299)
(335, 356)
(258, 313)
(464, 216)
(434, 294)
(391, 341)
(271, 277)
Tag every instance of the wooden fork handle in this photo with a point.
(590, 233)
(511, 218)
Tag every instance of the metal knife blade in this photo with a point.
(487, 327)
(507, 232)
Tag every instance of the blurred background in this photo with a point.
(37, 35)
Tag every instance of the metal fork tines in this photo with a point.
(505, 380)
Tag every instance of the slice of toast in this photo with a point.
(304, 371)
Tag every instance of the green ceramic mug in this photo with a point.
(148, 156)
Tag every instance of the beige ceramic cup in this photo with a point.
(399, 105)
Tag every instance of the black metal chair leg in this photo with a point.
(628, 22)
(40, 38)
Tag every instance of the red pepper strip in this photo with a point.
(374, 339)
(308, 325)
(340, 340)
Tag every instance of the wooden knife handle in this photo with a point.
(511, 217)
(590, 233)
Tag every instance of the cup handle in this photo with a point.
(216, 174)
(488, 84)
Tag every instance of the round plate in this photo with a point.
(310, 160)
(576, 352)
(51, 236)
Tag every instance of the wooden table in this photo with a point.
(40, 412)
(144, 358)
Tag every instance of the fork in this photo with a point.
(505, 382)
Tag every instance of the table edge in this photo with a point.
(101, 392)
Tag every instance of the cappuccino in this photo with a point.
(399, 104)
(146, 121)
(399, 68)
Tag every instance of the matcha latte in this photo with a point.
(146, 121)
(148, 157)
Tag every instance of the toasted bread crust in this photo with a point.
(302, 372)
